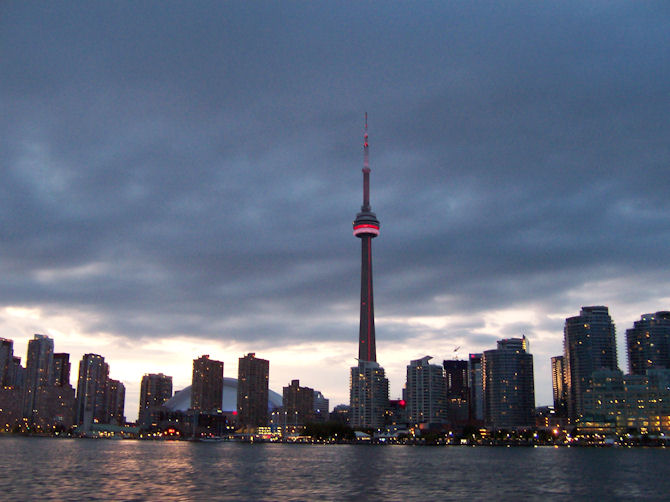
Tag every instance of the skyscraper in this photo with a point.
(368, 384)
(38, 376)
(155, 389)
(648, 343)
(558, 386)
(476, 384)
(458, 393)
(589, 344)
(509, 389)
(426, 392)
(253, 375)
(6, 362)
(61, 369)
(91, 402)
(116, 402)
(206, 384)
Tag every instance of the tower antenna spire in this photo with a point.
(366, 168)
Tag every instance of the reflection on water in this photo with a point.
(42, 468)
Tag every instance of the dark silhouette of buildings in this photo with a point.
(155, 389)
(252, 391)
(589, 344)
(458, 392)
(509, 392)
(368, 384)
(6, 362)
(61, 369)
(648, 343)
(206, 384)
(116, 398)
(476, 384)
(298, 404)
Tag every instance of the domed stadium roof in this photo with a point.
(181, 401)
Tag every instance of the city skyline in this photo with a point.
(179, 181)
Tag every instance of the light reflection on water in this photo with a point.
(68, 469)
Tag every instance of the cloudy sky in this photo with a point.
(180, 178)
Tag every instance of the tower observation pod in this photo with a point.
(366, 227)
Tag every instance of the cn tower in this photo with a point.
(366, 228)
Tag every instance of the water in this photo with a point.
(69, 469)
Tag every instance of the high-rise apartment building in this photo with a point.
(558, 386)
(648, 343)
(91, 402)
(38, 376)
(207, 384)
(458, 392)
(426, 392)
(321, 407)
(61, 369)
(116, 402)
(476, 385)
(368, 395)
(6, 362)
(508, 385)
(298, 403)
(589, 345)
(155, 389)
(253, 375)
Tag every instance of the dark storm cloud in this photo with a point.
(194, 169)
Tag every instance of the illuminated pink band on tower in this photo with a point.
(366, 229)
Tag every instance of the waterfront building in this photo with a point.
(368, 390)
(341, 414)
(368, 395)
(6, 362)
(206, 384)
(589, 345)
(155, 389)
(38, 376)
(476, 386)
(253, 375)
(458, 402)
(648, 343)
(18, 373)
(614, 402)
(116, 402)
(426, 392)
(91, 404)
(558, 386)
(298, 404)
(508, 386)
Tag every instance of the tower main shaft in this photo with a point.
(366, 227)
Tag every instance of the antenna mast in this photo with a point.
(366, 168)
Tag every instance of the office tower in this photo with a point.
(252, 391)
(648, 343)
(476, 385)
(6, 362)
(589, 345)
(509, 394)
(558, 386)
(207, 384)
(38, 376)
(155, 390)
(298, 404)
(116, 402)
(456, 375)
(91, 403)
(61, 369)
(426, 392)
(321, 407)
(368, 391)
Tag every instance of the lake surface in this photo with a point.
(77, 469)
